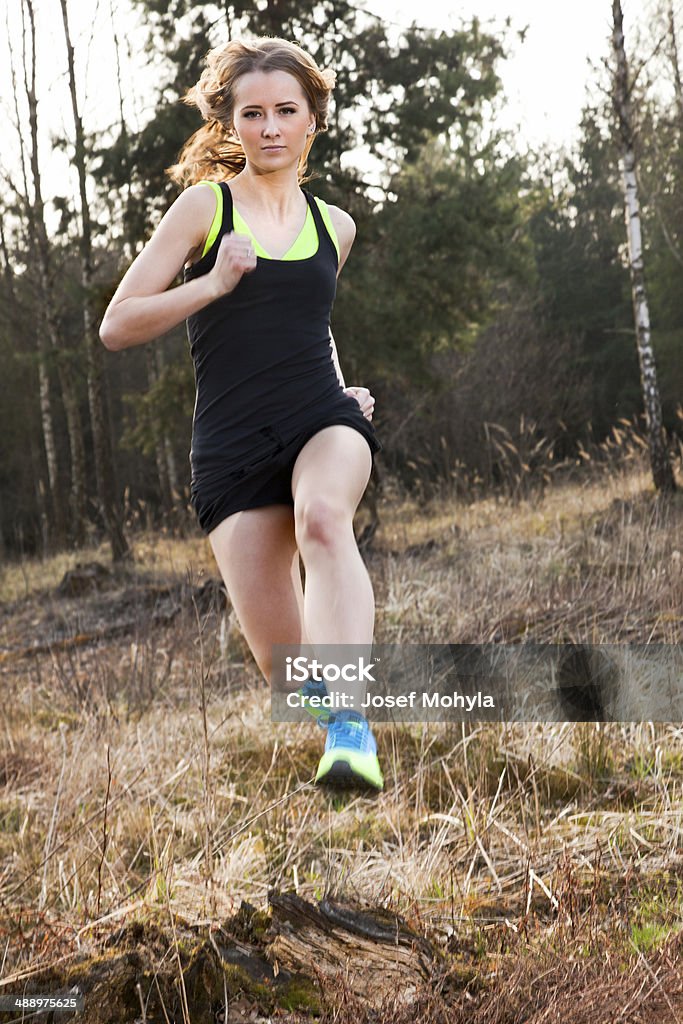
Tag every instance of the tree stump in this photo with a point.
(84, 578)
(372, 951)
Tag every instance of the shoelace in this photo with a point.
(350, 730)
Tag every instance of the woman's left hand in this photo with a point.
(364, 399)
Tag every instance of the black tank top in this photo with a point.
(263, 364)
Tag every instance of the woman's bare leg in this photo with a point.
(328, 481)
(258, 559)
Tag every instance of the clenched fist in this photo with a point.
(235, 257)
(364, 399)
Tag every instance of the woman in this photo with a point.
(281, 451)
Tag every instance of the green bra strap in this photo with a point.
(301, 247)
(307, 242)
(325, 214)
(242, 228)
(217, 217)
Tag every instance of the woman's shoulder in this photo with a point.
(344, 223)
(192, 215)
(200, 195)
(192, 206)
(344, 226)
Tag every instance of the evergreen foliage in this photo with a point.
(487, 295)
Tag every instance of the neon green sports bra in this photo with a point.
(305, 245)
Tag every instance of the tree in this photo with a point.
(390, 98)
(104, 464)
(576, 223)
(26, 518)
(660, 177)
(163, 449)
(439, 252)
(662, 471)
(48, 328)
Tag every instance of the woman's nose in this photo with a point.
(270, 126)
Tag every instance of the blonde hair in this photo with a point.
(214, 152)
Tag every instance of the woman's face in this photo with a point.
(272, 118)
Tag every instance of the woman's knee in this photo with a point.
(321, 523)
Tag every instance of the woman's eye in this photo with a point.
(251, 114)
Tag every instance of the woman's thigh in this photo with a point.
(333, 469)
(258, 559)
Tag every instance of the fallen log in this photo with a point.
(374, 952)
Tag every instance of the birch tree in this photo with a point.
(163, 449)
(48, 327)
(42, 349)
(104, 462)
(662, 472)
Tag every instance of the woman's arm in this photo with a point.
(335, 360)
(345, 227)
(142, 308)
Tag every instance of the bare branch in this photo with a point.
(667, 237)
(17, 123)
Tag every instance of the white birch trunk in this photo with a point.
(38, 232)
(163, 453)
(662, 472)
(44, 388)
(104, 463)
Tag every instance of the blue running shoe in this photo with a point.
(316, 688)
(350, 757)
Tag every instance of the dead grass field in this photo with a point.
(142, 779)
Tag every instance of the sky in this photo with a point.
(545, 80)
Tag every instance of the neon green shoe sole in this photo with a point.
(350, 757)
(348, 769)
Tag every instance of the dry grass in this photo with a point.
(598, 561)
(493, 840)
(160, 554)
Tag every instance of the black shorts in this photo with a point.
(265, 482)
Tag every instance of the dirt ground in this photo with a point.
(153, 820)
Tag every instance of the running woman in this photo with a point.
(281, 450)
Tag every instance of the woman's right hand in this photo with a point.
(234, 258)
(144, 305)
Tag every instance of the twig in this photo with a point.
(53, 821)
(104, 834)
(250, 821)
(143, 1010)
(206, 761)
(69, 837)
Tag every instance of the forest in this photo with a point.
(488, 304)
(165, 852)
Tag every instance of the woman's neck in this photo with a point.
(277, 195)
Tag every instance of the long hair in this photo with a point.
(214, 152)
